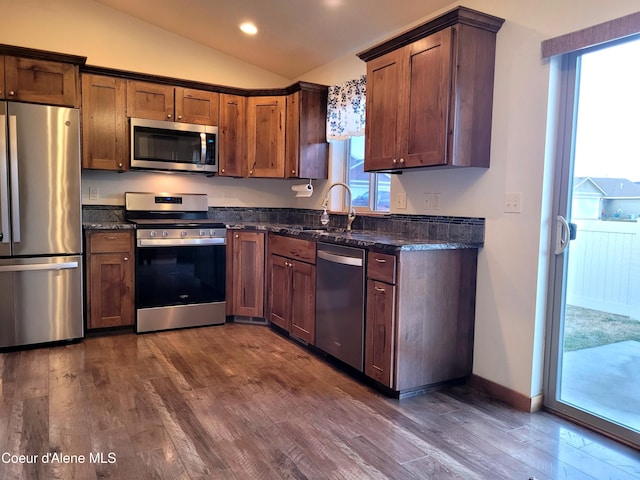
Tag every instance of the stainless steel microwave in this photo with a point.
(160, 145)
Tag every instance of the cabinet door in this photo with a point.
(307, 150)
(110, 290)
(265, 136)
(425, 108)
(303, 301)
(105, 140)
(41, 81)
(149, 100)
(231, 148)
(280, 292)
(196, 106)
(380, 331)
(2, 91)
(248, 273)
(384, 77)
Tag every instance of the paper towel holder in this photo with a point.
(303, 190)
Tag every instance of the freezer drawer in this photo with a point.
(40, 300)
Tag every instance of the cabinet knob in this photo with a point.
(395, 161)
(250, 172)
(168, 115)
(293, 172)
(12, 93)
(237, 236)
(125, 258)
(402, 160)
(179, 117)
(120, 165)
(222, 170)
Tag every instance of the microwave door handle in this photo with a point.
(5, 234)
(203, 148)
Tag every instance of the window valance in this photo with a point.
(346, 109)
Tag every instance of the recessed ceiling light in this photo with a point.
(248, 28)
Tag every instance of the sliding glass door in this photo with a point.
(593, 343)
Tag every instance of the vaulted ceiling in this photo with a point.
(294, 36)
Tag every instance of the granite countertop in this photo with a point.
(358, 238)
(355, 238)
(105, 225)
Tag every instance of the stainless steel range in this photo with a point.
(180, 261)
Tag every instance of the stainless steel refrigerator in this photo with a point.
(40, 225)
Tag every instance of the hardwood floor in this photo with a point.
(241, 402)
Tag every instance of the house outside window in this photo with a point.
(370, 190)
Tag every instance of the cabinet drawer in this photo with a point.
(381, 267)
(296, 248)
(110, 242)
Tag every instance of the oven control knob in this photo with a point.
(153, 233)
(203, 233)
(165, 233)
(183, 233)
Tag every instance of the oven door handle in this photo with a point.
(180, 242)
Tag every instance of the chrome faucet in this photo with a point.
(351, 213)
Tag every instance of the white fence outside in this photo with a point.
(604, 267)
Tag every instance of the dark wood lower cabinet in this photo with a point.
(245, 273)
(292, 286)
(110, 279)
(380, 331)
(420, 317)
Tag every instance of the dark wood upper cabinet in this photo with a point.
(40, 81)
(196, 106)
(430, 94)
(2, 76)
(156, 101)
(232, 142)
(307, 150)
(150, 100)
(105, 136)
(266, 136)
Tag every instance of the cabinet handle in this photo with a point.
(379, 289)
(380, 260)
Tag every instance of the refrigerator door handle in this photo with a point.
(38, 267)
(5, 234)
(15, 190)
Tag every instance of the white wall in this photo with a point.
(510, 315)
(512, 266)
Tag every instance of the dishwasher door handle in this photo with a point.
(341, 259)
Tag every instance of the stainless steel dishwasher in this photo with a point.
(340, 296)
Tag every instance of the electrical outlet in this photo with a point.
(93, 193)
(513, 202)
(401, 200)
(432, 201)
